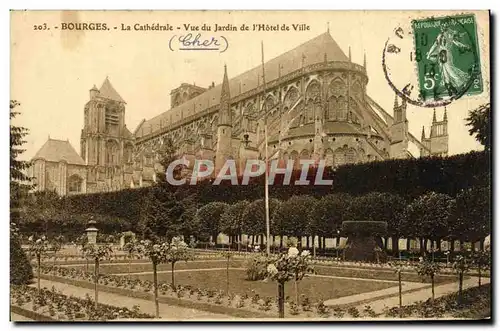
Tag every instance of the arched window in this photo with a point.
(291, 97)
(337, 87)
(339, 157)
(74, 184)
(127, 153)
(112, 150)
(350, 156)
(341, 109)
(332, 108)
(268, 105)
(310, 111)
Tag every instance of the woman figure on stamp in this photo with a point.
(442, 52)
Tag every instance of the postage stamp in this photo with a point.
(447, 57)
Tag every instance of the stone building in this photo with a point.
(313, 99)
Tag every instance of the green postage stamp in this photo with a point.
(447, 57)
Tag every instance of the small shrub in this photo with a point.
(306, 303)
(354, 312)
(369, 311)
(294, 309)
(256, 268)
(322, 310)
(266, 305)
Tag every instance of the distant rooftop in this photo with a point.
(55, 150)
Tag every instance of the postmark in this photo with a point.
(445, 56)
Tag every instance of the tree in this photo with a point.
(156, 253)
(427, 217)
(285, 268)
(168, 154)
(131, 247)
(21, 271)
(461, 266)
(328, 214)
(292, 216)
(232, 220)
(472, 217)
(398, 266)
(482, 261)
(209, 218)
(56, 245)
(97, 253)
(480, 125)
(227, 255)
(38, 247)
(177, 251)
(19, 187)
(254, 216)
(160, 214)
(429, 268)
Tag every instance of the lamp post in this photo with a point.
(92, 231)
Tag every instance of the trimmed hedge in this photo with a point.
(364, 228)
(120, 211)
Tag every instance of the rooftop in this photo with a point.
(310, 52)
(55, 150)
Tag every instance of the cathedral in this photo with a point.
(312, 99)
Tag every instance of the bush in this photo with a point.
(256, 268)
(20, 268)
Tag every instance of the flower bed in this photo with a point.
(54, 305)
(243, 306)
(476, 304)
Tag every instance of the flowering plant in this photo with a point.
(287, 267)
(156, 252)
(39, 246)
(290, 266)
(97, 252)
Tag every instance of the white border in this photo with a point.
(148, 4)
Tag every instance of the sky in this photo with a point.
(52, 71)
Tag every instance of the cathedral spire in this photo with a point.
(225, 97)
(396, 103)
(350, 60)
(434, 116)
(364, 60)
(423, 133)
(445, 116)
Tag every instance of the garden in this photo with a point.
(335, 252)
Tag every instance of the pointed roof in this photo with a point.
(58, 150)
(434, 116)
(396, 104)
(310, 52)
(423, 132)
(445, 116)
(225, 92)
(107, 91)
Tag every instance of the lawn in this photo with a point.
(119, 268)
(353, 272)
(315, 288)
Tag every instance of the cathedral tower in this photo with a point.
(106, 143)
(439, 135)
(399, 130)
(224, 128)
